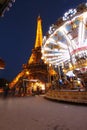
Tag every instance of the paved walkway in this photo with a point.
(37, 113)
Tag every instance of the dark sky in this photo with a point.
(18, 29)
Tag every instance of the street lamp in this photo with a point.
(5, 5)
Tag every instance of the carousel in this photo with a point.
(65, 45)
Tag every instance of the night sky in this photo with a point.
(18, 30)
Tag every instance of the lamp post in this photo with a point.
(5, 5)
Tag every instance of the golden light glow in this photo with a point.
(39, 37)
(70, 65)
(38, 84)
(15, 80)
(27, 72)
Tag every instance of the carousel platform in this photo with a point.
(73, 96)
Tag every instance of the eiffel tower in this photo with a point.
(35, 65)
(35, 68)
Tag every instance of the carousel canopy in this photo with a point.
(66, 40)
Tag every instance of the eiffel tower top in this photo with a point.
(36, 51)
(39, 37)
